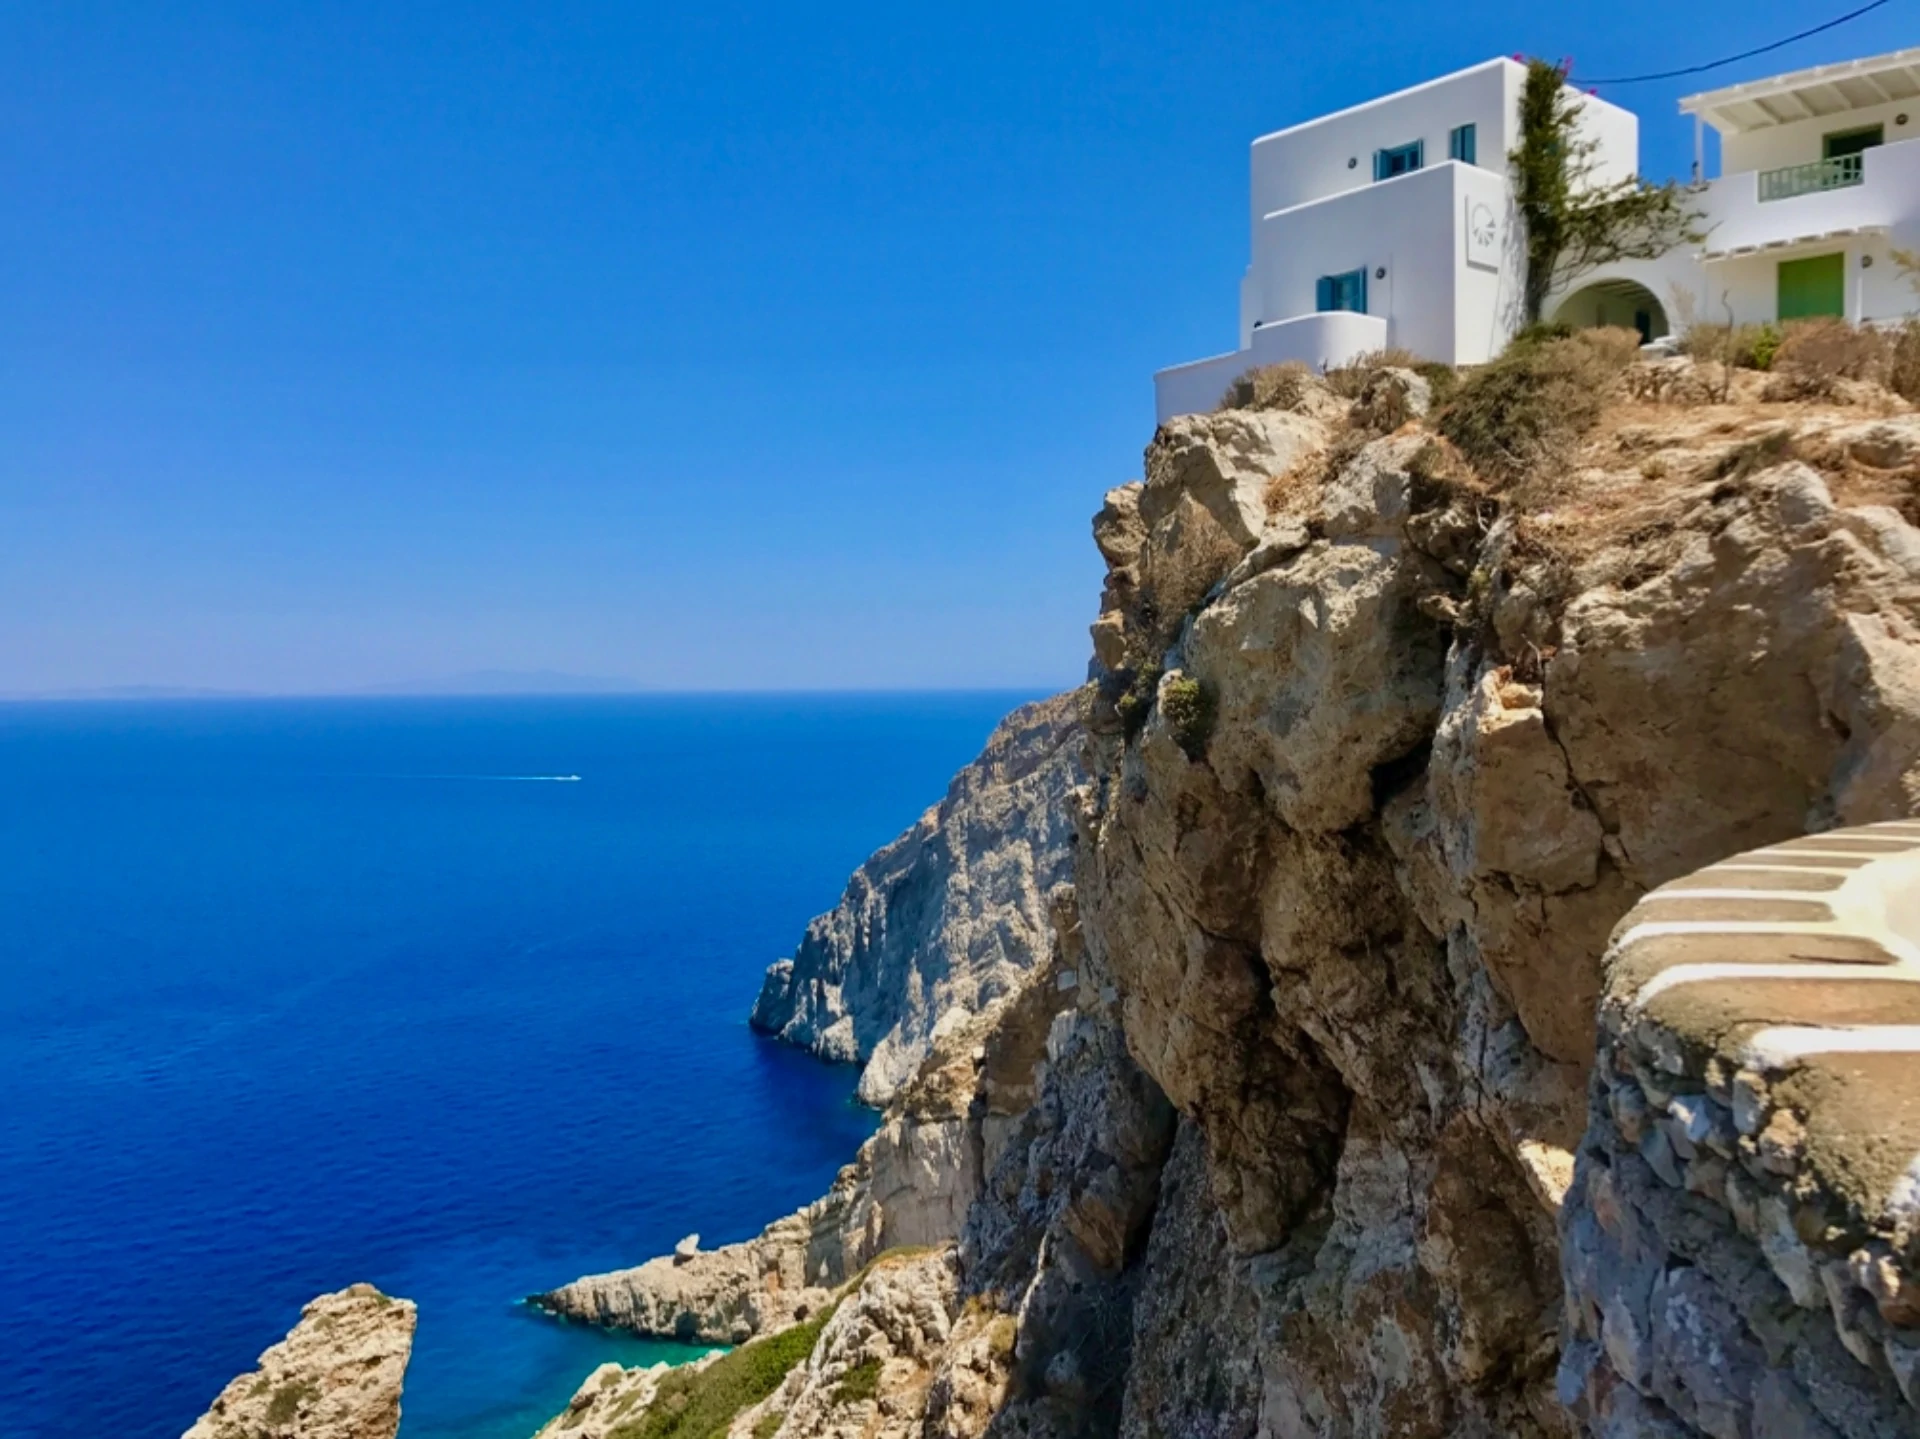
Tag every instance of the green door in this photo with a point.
(1813, 286)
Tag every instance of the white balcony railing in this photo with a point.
(1813, 177)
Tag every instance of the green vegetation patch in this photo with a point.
(702, 1403)
(1188, 709)
(768, 1425)
(1136, 704)
(288, 1399)
(859, 1383)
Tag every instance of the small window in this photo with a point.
(1398, 161)
(1460, 144)
(1343, 292)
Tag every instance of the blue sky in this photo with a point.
(720, 346)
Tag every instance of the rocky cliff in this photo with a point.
(1298, 1130)
(336, 1375)
(1374, 786)
(943, 921)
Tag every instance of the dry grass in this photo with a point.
(1644, 464)
(1816, 355)
(1903, 361)
(1295, 491)
(1269, 387)
(1349, 381)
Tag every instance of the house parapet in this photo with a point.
(1318, 341)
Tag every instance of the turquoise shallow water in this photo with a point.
(300, 993)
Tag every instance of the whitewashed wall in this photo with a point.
(1334, 154)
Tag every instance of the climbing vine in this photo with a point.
(1574, 221)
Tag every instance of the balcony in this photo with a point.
(1748, 212)
(1812, 178)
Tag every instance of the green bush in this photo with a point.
(859, 1383)
(1514, 416)
(1188, 710)
(1136, 703)
(701, 1403)
(1756, 346)
(1442, 380)
(768, 1425)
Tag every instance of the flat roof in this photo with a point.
(1494, 63)
(1805, 94)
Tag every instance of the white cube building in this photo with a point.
(1392, 223)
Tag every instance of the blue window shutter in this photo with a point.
(1379, 164)
(1323, 293)
(1360, 290)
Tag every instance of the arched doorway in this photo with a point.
(1614, 302)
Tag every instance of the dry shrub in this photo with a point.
(1388, 402)
(1292, 489)
(1677, 382)
(1530, 407)
(1269, 387)
(1615, 345)
(1815, 355)
(1350, 381)
(1903, 360)
(1763, 452)
(1744, 347)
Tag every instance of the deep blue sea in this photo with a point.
(299, 993)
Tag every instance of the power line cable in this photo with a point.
(1731, 59)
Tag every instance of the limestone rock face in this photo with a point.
(1196, 1315)
(869, 1375)
(945, 920)
(1354, 919)
(336, 1375)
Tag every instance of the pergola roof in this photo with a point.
(1813, 240)
(1823, 90)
